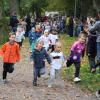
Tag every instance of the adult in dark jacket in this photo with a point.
(14, 22)
(28, 25)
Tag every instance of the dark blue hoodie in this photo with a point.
(39, 58)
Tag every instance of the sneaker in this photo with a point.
(97, 94)
(93, 70)
(76, 79)
(34, 83)
(49, 85)
(4, 81)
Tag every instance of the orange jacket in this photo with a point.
(10, 53)
(38, 30)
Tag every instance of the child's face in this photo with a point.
(12, 38)
(82, 39)
(46, 33)
(58, 48)
(39, 46)
(19, 29)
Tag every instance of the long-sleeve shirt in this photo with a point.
(96, 28)
(45, 40)
(19, 36)
(77, 50)
(53, 38)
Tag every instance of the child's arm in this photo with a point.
(17, 53)
(3, 49)
(57, 39)
(74, 46)
(63, 59)
(83, 52)
(32, 58)
(47, 57)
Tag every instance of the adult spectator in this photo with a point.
(14, 22)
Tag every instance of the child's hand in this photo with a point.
(64, 63)
(32, 62)
(17, 60)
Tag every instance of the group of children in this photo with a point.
(47, 47)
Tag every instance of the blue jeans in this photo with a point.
(37, 73)
(98, 51)
(14, 29)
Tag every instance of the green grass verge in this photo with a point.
(89, 81)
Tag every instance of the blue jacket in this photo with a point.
(39, 58)
(32, 37)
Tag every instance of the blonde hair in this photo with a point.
(82, 34)
(11, 33)
(58, 44)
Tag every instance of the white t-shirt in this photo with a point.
(53, 38)
(45, 40)
(19, 36)
(48, 27)
(57, 59)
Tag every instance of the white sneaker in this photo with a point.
(5, 81)
(76, 79)
(49, 85)
(97, 94)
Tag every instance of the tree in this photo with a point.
(1, 9)
(38, 6)
(0, 12)
(96, 5)
(14, 6)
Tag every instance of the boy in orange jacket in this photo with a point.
(11, 54)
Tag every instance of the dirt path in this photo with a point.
(20, 86)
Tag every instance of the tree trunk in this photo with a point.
(0, 13)
(14, 6)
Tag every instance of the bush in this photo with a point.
(4, 29)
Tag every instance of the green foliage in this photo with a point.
(4, 30)
(61, 5)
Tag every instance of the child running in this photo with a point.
(38, 58)
(77, 51)
(46, 39)
(11, 54)
(57, 59)
(20, 36)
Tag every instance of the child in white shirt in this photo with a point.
(57, 59)
(54, 38)
(45, 39)
(20, 36)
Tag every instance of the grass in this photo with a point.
(89, 81)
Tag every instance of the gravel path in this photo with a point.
(19, 86)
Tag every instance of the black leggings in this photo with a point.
(77, 67)
(7, 67)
